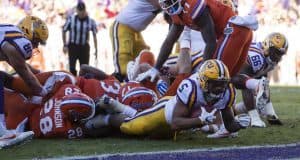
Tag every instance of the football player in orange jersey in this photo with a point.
(62, 115)
(227, 36)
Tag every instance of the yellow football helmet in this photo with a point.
(214, 77)
(275, 45)
(230, 4)
(34, 29)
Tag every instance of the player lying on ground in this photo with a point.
(209, 87)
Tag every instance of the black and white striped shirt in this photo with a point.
(79, 29)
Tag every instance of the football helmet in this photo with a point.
(171, 7)
(214, 78)
(77, 107)
(139, 98)
(275, 46)
(229, 3)
(34, 29)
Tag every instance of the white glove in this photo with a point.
(206, 117)
(151, 73)
(244, 120)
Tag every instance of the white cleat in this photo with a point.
(262, 94)
(255, 119)
(223, 133)
(14, 138)
(258, 123)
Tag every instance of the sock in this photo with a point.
(270, 110)
(128, 111)
(124, 109)
(252, 84)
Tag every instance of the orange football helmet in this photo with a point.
(127, 87)
(77, 107)
(139, 98)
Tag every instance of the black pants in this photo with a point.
(78, 52)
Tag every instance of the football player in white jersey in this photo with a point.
(262, 58)
(209, 88)
(125, 32)
(16, 44)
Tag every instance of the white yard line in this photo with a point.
(104, 156)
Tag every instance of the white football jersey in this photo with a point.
(256, 58)
(138, 14)
(13, 35)
(190, 93)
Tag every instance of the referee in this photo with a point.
(78, 46)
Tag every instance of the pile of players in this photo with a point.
(145, 97)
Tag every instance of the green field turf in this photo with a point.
(286, 101)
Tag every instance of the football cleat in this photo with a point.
(262, 94)
(223, 133)
(274, 120)
(255, 119)
(14, 138)
(258, 123)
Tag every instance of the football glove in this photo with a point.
(244, 120)
(152, 73)
(206, 117)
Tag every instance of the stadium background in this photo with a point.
(273, 15)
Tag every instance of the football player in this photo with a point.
(16, 44)
(61, 116)
(262, 58)
(227, 36)
(125, 32)
(208, 87)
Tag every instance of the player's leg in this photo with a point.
(122, 38)
(72, 58)
(231, 46)
(84, 56)
(245, 48)
(149, 122)
(249, 102)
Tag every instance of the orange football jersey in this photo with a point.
(219, 12)
(48, 121)
(96, 89)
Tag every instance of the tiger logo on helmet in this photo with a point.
(214, 78)
(77, 107)
(275, 46)
(139, 98)
(34, 29)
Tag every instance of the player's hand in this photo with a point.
(152, 73)
(207, 117)
(103, 102)
(65, 49)
(244, 120)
